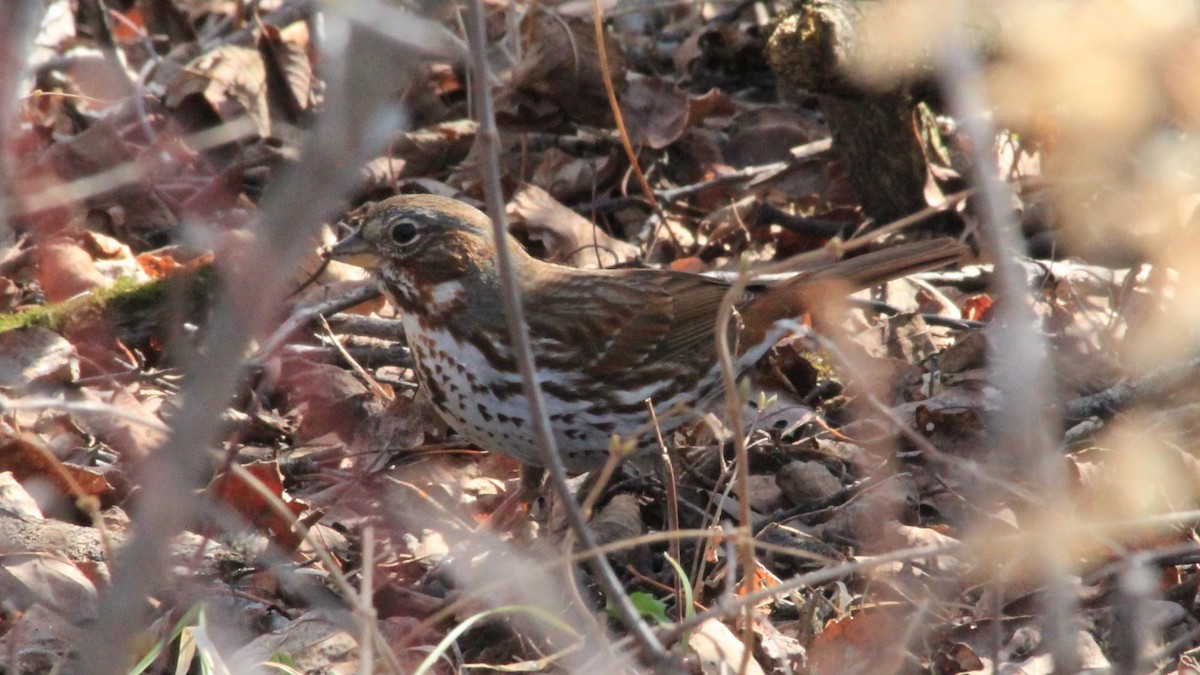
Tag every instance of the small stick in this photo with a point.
(606, 77)
(669, 482)
(354, 365)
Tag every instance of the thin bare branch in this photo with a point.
(354, 128)
(489, 140)
(1022, 371)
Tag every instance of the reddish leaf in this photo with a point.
(866, 642)
(235, 492)
(65, 269)
(27, 459)
(128, 26)
(977, 307)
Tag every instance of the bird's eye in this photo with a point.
(403, 232)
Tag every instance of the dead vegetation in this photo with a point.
(214, 457)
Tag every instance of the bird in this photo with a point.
(603, 341)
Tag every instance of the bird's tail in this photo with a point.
(814, 290)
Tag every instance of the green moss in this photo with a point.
(44, 317)
(127, 300)
(127, 296)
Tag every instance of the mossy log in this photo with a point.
(129, 311)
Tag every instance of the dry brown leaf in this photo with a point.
(113, 259)
(969, 351)
(729, 219)
(568, 237)
(33, 354)
(314, 643)
(865, 642)
(765, 495)
(780, 653)
(436, 148)
(655, 112)
(235, 492)
(287, 62)
(380, 174)
(418, 154)
(873, 516)
(952, 421)
(102, 246)
(785, 412)
(571, 178)
(904, 337)
(767, 135)
(405, 423)
(690, 264)
(231, 79)
(65, 269)
(330, 399)
(38, 640)
(688, 51)
(960, 657)
(804, 481)
(27, 459)
(719, 650)
(131, 209)
(909, 536)
(713, 103)
(15, 500)
(159, 264)
(133, 440)
(28, 579)
(621, 518)
(561, 67)
(697, 157)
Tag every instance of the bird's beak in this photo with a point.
(354, 250)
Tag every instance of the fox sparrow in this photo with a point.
(603, 341)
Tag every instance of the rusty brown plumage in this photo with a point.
(604, 341)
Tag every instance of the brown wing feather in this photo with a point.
(606, 323)
(698, 299)
(636, 318)
(682, 331)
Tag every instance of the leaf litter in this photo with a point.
(147, 135)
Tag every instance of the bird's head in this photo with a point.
(425, 234)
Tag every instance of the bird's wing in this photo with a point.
(607, 323)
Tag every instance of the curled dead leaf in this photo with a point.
(65, 269)
(33, 354)
(655, 111)
(238, 494)
(28, 459)
(569, 238)
(561, 66)
(231, 79)
(719, 650)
